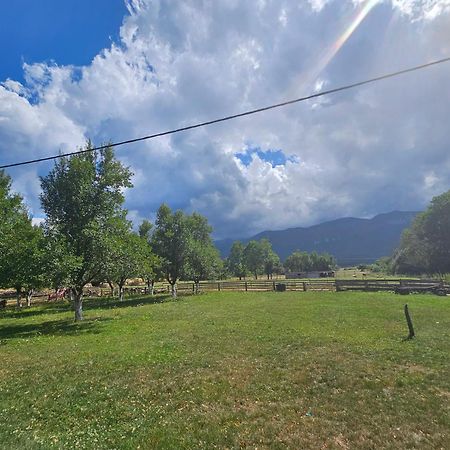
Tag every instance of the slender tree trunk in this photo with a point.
(19, 297)
(173, 284)
(78, 303)
(111, 286)
(256, 276)
(197, 287)
(120, 292)
(151, 287)
(29, 296)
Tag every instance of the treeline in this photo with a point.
(86, 237)
(258, 258)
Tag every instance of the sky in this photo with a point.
(112, 70)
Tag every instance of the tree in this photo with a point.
(170, 241)
(82, 196)
(151, 267)
(425, 246)
(322, 262)
(298, 262)
(382, 265)
(303, 262)
(202, 260)
(271, 259)
(236, 262)
(126, 255)
(254, 258)
(21, 245)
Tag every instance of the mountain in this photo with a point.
(350, 240)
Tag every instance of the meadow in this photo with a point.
(298, 370)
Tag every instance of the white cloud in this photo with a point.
(374, 149)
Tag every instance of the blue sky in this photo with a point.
(114, 70)
(68, 32)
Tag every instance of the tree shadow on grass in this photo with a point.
(66, 327)
(88, 304)
(128, 302)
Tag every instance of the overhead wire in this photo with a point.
(233, 116)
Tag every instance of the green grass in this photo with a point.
(228, 370)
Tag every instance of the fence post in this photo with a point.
(409, 322)
(218, 286)
(193, 288)
(273, 284)
(246, 287)
(304, 286)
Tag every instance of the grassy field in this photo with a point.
(228, 370)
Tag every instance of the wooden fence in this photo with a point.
(402, 286)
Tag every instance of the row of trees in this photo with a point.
(258, 257)
(86, 237)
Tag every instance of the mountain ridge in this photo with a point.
(350, 240)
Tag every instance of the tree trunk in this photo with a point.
(151, 287)
(197, 288)
(29, 296)
(19, 297)
(173, 284)
(120, 292)
(78, 304)
(111, 286)
(256, 276)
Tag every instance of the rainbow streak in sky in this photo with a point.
(311, 76)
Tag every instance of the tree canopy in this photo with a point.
(82, 197)
(425, 246)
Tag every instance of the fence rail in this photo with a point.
(401, 286)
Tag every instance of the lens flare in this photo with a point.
(310, 77)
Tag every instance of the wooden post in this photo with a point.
(304, 286)
(273, 285)
(218, 286)
(409, 322)
(193, 288)
(246, 287)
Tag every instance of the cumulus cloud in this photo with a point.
(370, 150)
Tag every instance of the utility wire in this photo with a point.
(234, 116)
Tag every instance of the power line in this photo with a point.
(235, 116)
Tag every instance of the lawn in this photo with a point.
(228, 370)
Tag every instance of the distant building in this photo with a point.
(312, 274)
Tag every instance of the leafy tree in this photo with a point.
(271, 259)
(60, 265)
(203, 261)
(126, 255)
(323, 262)
(170, 242)
(425, 246)
(382, 265)
(304, 262)
(254, 258)
(236, 261)
(82, 197)
(298, 262)
(151, 267)
(21, 245)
